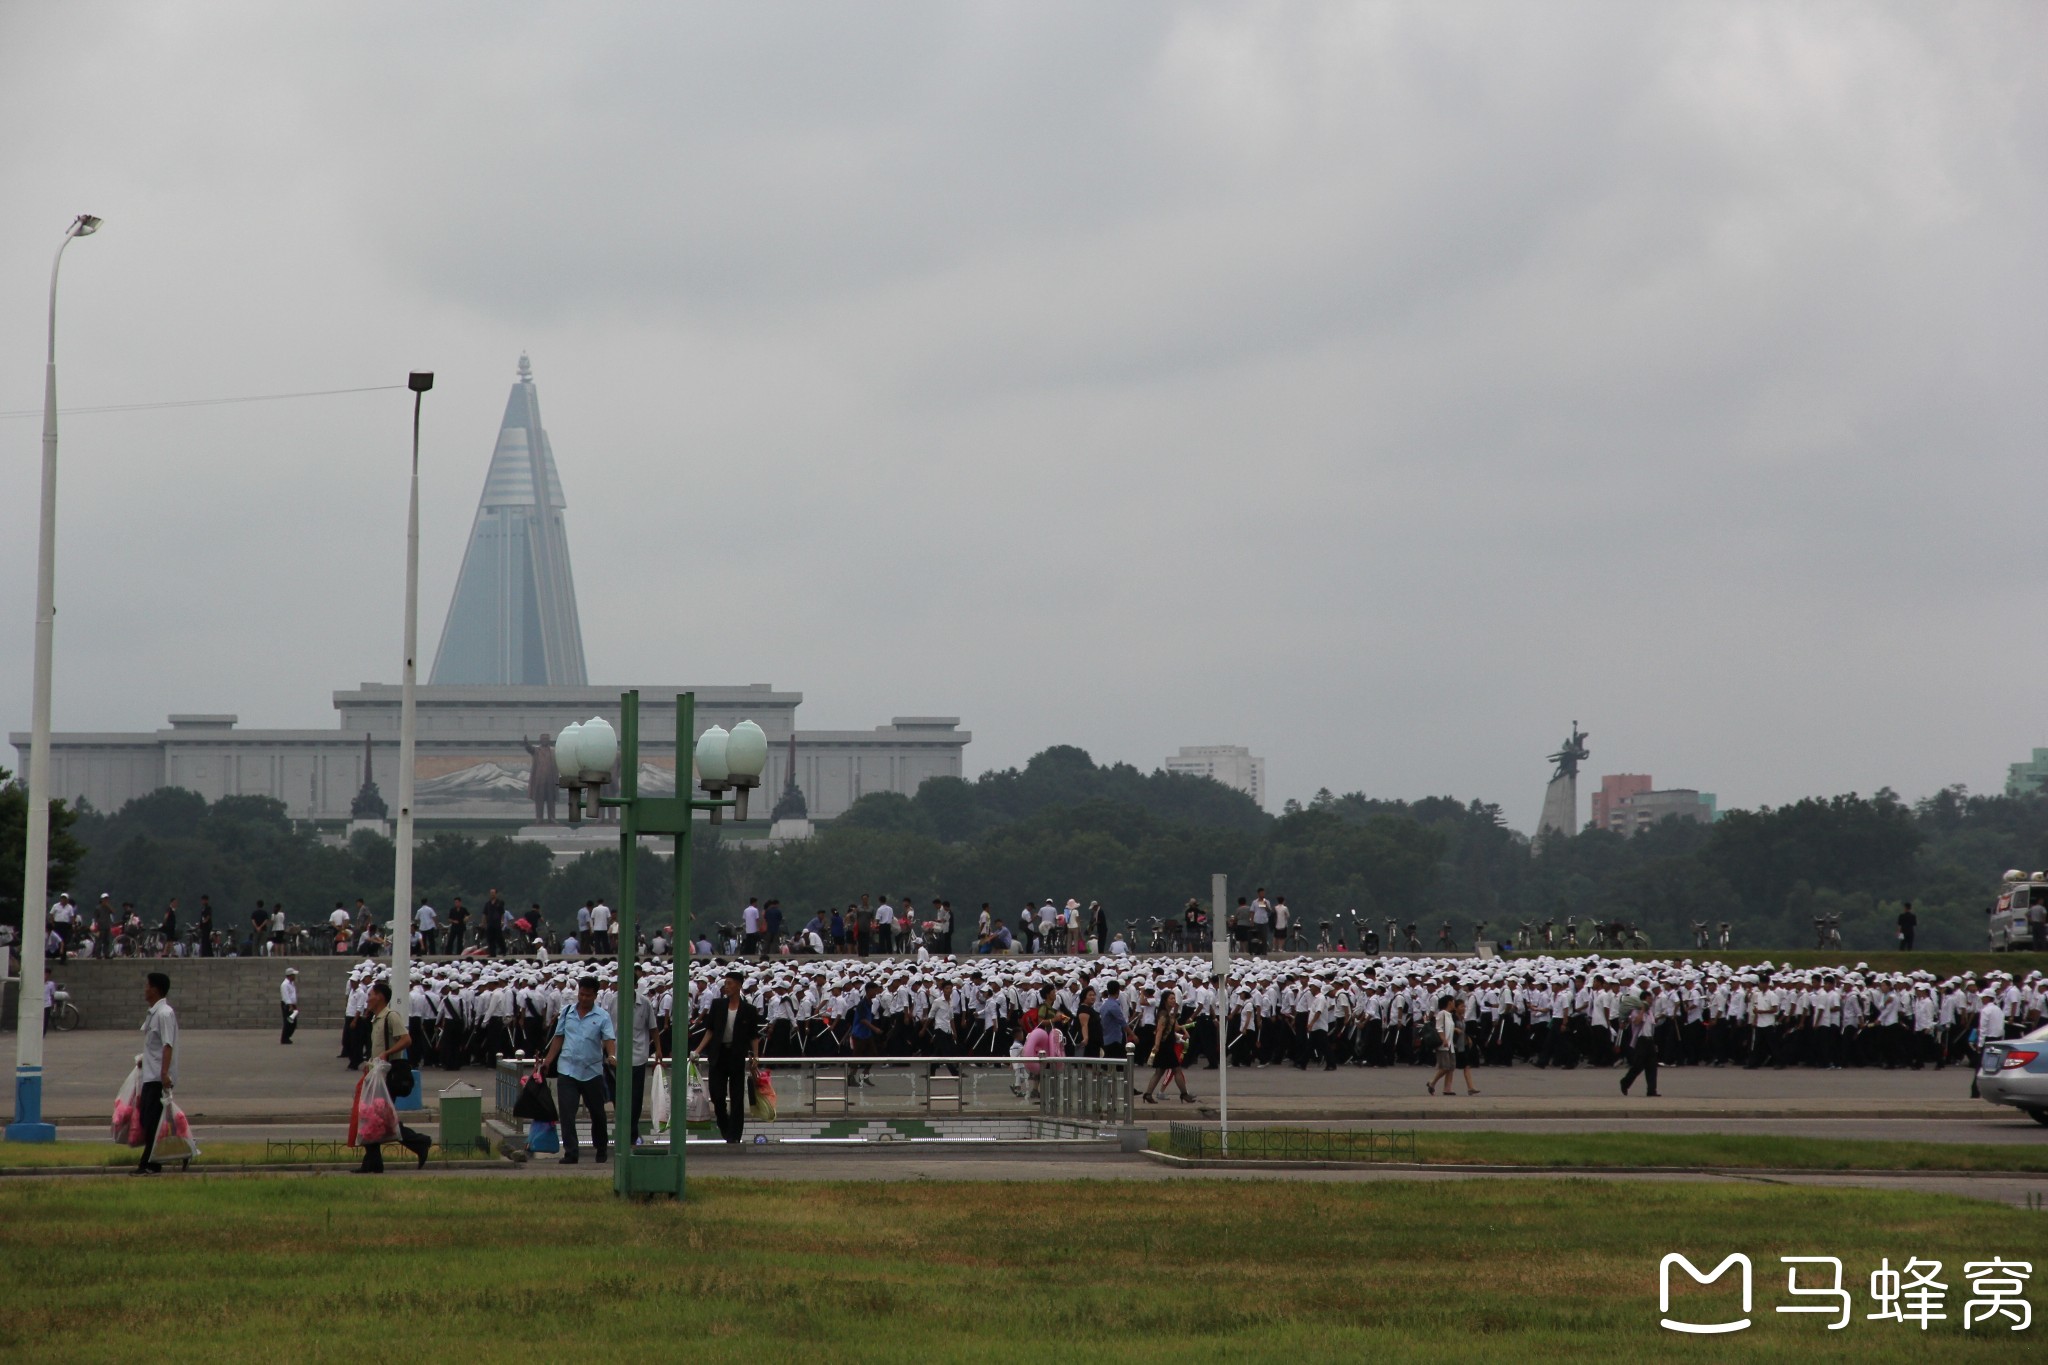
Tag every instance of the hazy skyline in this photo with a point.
(1381, 388)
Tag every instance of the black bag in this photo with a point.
(400, 1079)
(535, 1102)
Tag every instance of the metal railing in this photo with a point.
(1093, 1088)
(1293, 1144)
(1089, 1089)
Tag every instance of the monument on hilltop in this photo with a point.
(1561, 797)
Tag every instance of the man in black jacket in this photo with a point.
(732, 1036)
(494, 924)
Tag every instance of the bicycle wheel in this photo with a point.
(66, 1017)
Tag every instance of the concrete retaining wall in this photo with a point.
(220, 992)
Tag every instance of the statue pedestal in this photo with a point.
(573, 841)
(789, 831)
(1560, 807)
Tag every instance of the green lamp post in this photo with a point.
(722, 762)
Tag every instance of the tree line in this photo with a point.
(1143, 844)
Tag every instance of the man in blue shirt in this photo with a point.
(1111, 1014)
(586, 1043)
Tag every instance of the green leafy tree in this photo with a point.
(66, 852)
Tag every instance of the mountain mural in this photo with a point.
(493, 782)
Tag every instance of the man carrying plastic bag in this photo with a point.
(373, 1120)
(159, 1070)
(732, 1035)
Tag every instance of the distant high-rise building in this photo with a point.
(513, 617)
(2027, 779)
(1638, 810)
(1614, 789)
(1231, 764)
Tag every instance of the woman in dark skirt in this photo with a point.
(1169, 1043)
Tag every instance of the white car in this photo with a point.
(2015, 1072)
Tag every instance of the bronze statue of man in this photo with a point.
(542, 779)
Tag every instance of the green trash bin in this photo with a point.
(462, 1118)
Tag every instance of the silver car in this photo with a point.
(2015, 1072)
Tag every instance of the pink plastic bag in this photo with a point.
(373, 1119)
(127, 1125)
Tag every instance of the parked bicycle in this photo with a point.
(64, 1015)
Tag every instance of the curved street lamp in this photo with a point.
(28, 1125)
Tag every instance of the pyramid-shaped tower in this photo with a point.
(513, 617)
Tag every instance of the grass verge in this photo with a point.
(1554, 1269)
(1681, 1151)
(21, 1156)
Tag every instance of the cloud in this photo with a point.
(1378, 386)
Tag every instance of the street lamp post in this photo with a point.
(28, 1125)
(736, 765)
(408, 730)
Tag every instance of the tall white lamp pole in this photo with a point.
(28, 1125)
(408, 729)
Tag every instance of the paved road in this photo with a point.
(244, 1076)
(1991, 1126)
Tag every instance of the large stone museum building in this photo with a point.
(509, 670)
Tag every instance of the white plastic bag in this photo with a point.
(697, 1108)
(657, 1099)
(174, 1140)
(372, 1118)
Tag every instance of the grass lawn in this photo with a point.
(1717, 1151)
(315, 1268)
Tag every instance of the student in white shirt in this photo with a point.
(159, 1066)
(288, 1004)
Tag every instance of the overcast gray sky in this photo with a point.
(1381, 387)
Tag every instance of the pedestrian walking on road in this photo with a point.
(1642, 1048)
(288, 1004)
(732, 1037)
(388, 1041)
(159, 1066)
(1169, 1050)
(586, 1043)
(1446, 1046)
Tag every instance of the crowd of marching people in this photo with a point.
(1305, 1011)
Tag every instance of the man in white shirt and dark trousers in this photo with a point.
(1641, 1033)
(159, 1066)
(288, 1004)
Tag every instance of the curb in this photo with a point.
(257, 1168)
(1457, 1168)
